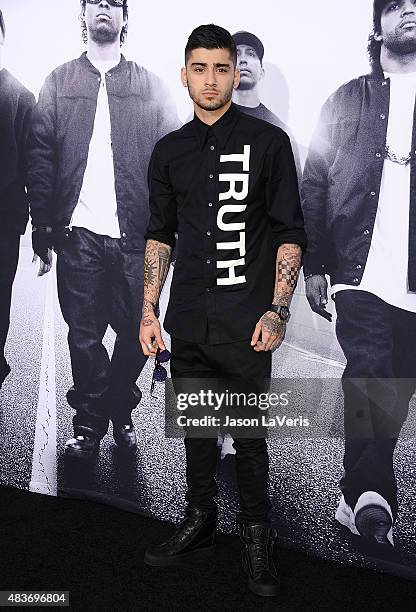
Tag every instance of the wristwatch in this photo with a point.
(282, 311)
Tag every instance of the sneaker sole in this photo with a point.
(193, 555)
(71, 454)
(262, 590)
(374, 523)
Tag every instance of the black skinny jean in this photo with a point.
(9, 257)
(379, 343)
(99, 285)
(236, 360)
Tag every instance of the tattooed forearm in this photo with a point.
(164, 261)
(149, 272)
(288, 263)
(156, 267)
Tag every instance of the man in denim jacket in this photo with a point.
(359, 203)
(95, 125)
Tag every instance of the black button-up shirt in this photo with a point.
(230, 192)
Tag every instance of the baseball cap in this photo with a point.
(247, 38)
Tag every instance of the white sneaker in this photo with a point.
(374, 518)
(227, 446)
(345, 516)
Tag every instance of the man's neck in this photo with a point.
(247, 97)
(210, 117)
(103, 53)
(391, 62)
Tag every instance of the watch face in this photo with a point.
(284, 313)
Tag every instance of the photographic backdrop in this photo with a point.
(311, 48)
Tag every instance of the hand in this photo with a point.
(317, 295)
(44, 268)
(150, 334)
(271, 329)
(42, 243)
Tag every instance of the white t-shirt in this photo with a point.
(385, 273)
(96, 209)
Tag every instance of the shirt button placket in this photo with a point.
(210, 244)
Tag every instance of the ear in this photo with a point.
(236, 78)
(262, 72)
(184, 78)
(378, 37)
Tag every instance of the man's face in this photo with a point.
(251, 70)
(210, 77)
(104, 22)
(398, 27)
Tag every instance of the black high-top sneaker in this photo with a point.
(258, 561)
(193, 539)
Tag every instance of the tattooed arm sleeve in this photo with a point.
(288, 264)
(156, 267)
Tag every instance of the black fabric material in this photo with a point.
(263, 113)
(379, 343)
(9, 257)
(342, 179)
(220, 280)
(232, 361)
(16, 104)
(99, 284)
(141, 112)
(80, 546)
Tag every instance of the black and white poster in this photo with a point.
(301, 72)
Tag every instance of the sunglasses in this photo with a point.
(159, 373)
(110, 2)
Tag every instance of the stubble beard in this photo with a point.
(400, 46)
(103, 35)
(246, 84)
(214, 104)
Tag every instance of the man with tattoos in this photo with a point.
(359, 202)
(93, 131)
(226, 183)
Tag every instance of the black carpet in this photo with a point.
(96, 551)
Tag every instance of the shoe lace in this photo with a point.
(260, 556)
(184, 528)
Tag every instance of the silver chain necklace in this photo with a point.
(397, 159)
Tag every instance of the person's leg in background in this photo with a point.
(374, 414)
(9, 257)
(83, 297)
(125, 287)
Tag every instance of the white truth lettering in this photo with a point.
(238, 190)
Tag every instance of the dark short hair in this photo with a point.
(84, 31)
(373, 45)
(211, 36)
(2, 24)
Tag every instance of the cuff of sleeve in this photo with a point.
(290, 239)
(170, 240)
(312, 268)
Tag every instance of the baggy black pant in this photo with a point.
(9, 257)
(99, 285)
(234, 360)
(379, 343)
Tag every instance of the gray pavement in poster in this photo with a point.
(35, 422)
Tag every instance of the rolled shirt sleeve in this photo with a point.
(163, 222)
(282, 194)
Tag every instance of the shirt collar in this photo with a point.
(221, 129)
(86, 62)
